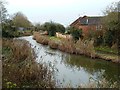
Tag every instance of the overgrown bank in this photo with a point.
(20, 69)
(82, 47)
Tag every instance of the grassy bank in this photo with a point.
(82, 47)
(65, 45)
(20, 69)
(106, 49)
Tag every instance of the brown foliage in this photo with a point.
(20, 68)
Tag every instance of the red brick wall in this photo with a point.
(86, 28)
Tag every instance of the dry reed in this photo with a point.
(20, 68)
(81, 47)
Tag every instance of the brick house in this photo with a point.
(87, 23)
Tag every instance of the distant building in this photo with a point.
(87, 23)
(21, 28)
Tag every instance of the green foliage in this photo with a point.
(106, 49)
(60, 28)
(76, 33)
(109, 38)
(10, 85)
(111, 24)
(98, 40)
(52, 28)
(8, 29)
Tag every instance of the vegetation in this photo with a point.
(110, 23)
(10, 25)
(20, 69)
(83, 47)
(51, 28)
(76, 33)
(20, 20)
(107, 49)
(3, 12)
(69, 46)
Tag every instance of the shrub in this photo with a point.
(76, 33)
(52, 28)
(20, 69)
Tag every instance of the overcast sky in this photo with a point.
(60, 11)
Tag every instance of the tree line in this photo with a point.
(107, 36)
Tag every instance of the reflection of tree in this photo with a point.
(108, 70)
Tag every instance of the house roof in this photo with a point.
(85, 20)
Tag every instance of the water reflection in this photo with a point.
(96, 67)
(74, 69)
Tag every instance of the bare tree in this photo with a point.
(20, 20)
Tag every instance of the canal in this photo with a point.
(75, 70)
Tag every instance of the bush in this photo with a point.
(52, 28)
(76, 33)
(98, 41)
(60, 28)
(109, 38)
(20, 70)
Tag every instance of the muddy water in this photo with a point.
(75, 69)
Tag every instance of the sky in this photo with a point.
(59, 11)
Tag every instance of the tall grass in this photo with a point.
(67, 46)
(85, 47)
(81, 47)
(20, 69)
(53, 44)
(40, 38)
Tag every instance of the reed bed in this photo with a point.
(67, 46)
(85, 47)
(40, 38)
(82, 47)
(20, 69)
(53, 44)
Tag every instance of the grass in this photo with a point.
(40, 38)
(20, 69)
(106, 49)
(82, 47)
(86, 47)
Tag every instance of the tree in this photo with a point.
(60, 28)
(8, 29)
(3, 12)
(52, 28)
(37, 27)
(76, 33)
(111, 24)
(20, 20)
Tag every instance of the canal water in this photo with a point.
(74, 70)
